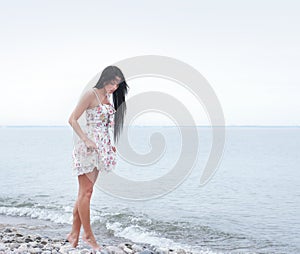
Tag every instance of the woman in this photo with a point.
(95, 150)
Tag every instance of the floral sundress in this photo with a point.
(100, 129)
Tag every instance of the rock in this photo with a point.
(20, 240)
(85, 251)
(14, 246)
(126, 247)
(7, 240)
(37, 250)
(104, 251)
(114, 250)
(161, 250)
(56, 245)
(64, 249)
(23, 249)
(34, 244)
(48, 246)
(41, 246)
(7, 230)
(77, 251)
(146, 252)
(180, 251)
(28, 240)
(136, 248)
(127, 250)
(2, 247)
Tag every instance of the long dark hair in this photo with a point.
(108, 74)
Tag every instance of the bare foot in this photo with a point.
(73, 240)
(91, 242)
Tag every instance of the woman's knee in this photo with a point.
(86, 193)
(85, 187)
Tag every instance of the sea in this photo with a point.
(251, 203)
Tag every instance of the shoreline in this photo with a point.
(26, 235)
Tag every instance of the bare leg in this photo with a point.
(74, 235)
(86, 184)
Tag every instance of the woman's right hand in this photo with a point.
(91, 145)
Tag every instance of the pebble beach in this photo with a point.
(12, 240)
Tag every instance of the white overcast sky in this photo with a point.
(249, 51)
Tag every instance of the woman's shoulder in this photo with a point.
(86, 95)
(88, 92)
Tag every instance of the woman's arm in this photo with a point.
(82, 105)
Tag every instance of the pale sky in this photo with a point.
(249, 51)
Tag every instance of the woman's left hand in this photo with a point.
(114, 149)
